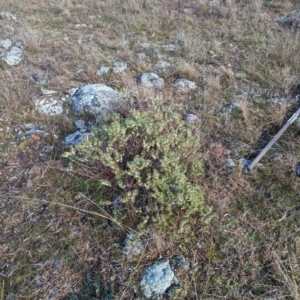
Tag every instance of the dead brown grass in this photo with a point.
(52, 246)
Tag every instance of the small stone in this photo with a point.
(8, 16)
(14, 56)
(277, 99)
(191, 118)
(80, 72)
(142, 56)
(19, 44)
(47, 149)
(32, 131)
(162, 65)
(29, 183)
(293, 21)
(49, 106)
(88, 38)
(152, 80)
(170, 48)
(179, 262)
(162, 68)
(38, 79)
(184, 84)
(245, 163)
(233, 106)
(48, 92)
(82, 126)
(145, 45)
(157, 279)
(213, 3)
(103, 70)
(151, 52)
(30, 126)
(6, 44)
(230, 162)
(75, 139)
(78, 26)
(119, 66)
(133, 246)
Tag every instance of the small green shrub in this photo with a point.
(151, 159)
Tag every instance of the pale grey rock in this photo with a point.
(292, 21)
(119, 66)
(133, 246)
(116, 202)
(47, 149)
(277, 99)
(35, 130)
(93, 99)
(179, 262)
(75, 139)
(161, 65)
(245, 163)
(49, 106)
(145, 45)
(88, 38)
(170, 48)
(230, 162)
(6, 44)
(30, 126)
(79, 26)
(191, 118)
(8, 16)
(184, 84)
(141, 56)
(14, 56)
(103, 71)
(38, 79)
(157, 279)
(213, 3)
(46, 92)
(233, 106)
(151, 52)
(80, 72)
(72, 91)
(29, 183)
(152, 80)
(228, 109)
(82, 126)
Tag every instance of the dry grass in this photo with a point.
(57, 243)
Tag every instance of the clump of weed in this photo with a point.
(151, 160)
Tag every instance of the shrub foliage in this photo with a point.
(151, 160)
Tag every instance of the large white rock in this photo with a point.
(152, 80)
(93, 99)
(14, 56)
(157, 279)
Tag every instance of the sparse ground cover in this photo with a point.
(60, 236)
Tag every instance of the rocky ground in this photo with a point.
(228, 69)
